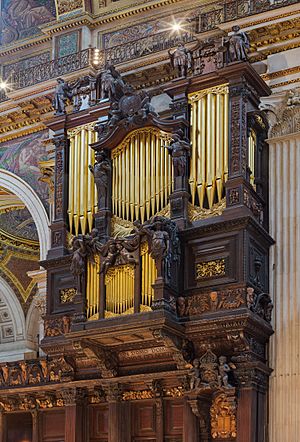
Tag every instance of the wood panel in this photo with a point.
(19, 427)
(143, 422)
(53, 426)
(174, 420)
(98, 423)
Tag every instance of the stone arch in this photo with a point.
(27, 195)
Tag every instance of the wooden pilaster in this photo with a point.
(75, 419)
(190, 424)
(35, 426)
(114, 414)
(2, 427)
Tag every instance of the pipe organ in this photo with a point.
(209, 137)
(142, 174)
(82, 190)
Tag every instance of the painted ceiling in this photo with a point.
(15, 219)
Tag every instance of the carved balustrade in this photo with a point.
(52, 69)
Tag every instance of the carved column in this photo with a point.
(75, 414)
(180, 111)
(284, 192)
(59, 224)
(245, 88)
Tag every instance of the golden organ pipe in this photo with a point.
(144, 175)
(82, 190)
(226, 134)
(209, 136)
(71, 188)
(202, 157)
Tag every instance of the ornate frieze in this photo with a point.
(35, 372)
(211, 302)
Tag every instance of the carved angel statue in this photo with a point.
(101, 171)
(62, 93)
(78, 264)
(239, 44)
(112, 84)
(181, 59)
(179, 149)
(224, 369)
(117, 252)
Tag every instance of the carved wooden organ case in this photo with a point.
(158, 269)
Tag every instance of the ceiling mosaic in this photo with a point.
(21, 18)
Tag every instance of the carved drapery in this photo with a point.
(82, 191)
(209, 136)
(142, 175)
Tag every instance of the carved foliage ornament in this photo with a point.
(210, 269)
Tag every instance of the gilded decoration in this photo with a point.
(67, 295)
(195, 213)
(223, 416)
(211, 269)
(136, 395)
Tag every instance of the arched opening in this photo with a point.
(24, 240)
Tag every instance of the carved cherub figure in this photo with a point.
(194, 373)
(224, 369)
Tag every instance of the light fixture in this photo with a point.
(3, 84)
